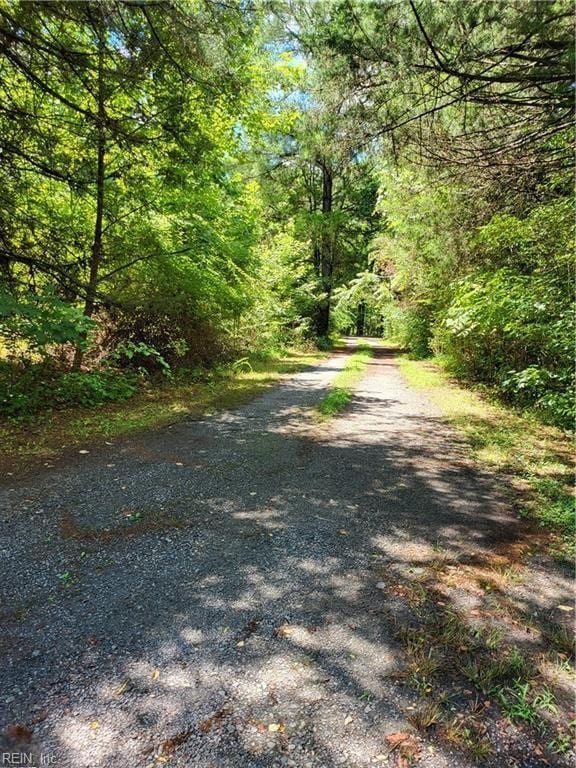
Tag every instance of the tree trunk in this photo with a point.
(97, 248)
(326, 252)
(360, 319)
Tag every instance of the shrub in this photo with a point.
(35, 323)
(513, 331)
(24, 392)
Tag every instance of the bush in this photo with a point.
(35, 323)
(411, 327)
(24, 392)
(513, 331)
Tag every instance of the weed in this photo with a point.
(481, 674)
(427, 716)
(490, 637)
(545, 700)
(465, 732)
(561, 744)
(366, 696)
(561, 638)
(67, 579)
(517, 703)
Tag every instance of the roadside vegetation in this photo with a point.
(478, 687)
(46, 435)
(537, 459)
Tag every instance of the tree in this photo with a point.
(118, 132)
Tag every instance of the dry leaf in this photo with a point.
(215, 719)
(170, 744)
(94, 725)
(348, 720)
(396, 738)
(241, 644)
(565, 608)
(156, 674)
(276, 727)
(407, 745)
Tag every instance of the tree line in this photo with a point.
(185, 181)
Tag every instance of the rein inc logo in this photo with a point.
(27, 759)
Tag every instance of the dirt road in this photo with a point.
(234, 591)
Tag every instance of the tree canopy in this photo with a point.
(185, 181)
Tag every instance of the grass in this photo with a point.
(45, 436)
(342, 387)
(469, 677)
(537, 459)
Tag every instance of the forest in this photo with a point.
(190, 183)
(287, 383)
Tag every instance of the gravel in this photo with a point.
(205, 594)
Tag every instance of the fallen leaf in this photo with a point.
(276, 727)
(122, 687)
(39, 716)
(565, 608)
(94, 725)
(397, 738)
(284, 630)
(348, 720)
(241, 644)
(408, 747)
(343, 532)
(156, 674)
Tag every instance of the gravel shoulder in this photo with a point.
(224, 591)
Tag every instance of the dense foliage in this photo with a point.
(188, 181)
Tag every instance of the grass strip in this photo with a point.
(538, 459)
(342, 387)
(45, 436)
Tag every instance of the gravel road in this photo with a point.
(205, 595)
